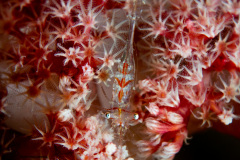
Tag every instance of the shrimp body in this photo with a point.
(123, 84)
(120, 113)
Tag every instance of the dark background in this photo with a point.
(210, 145)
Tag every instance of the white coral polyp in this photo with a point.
(170, 150)
(145, 85)
(108, 136)
(64, 82)
(226, 119)
(88, 71)
(174, 118)
(153, 108)
(122, 153)
(227, 116)
(110, 148)
(152, 124)
(65, 115)
(92, 123)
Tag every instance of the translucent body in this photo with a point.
(120, 112)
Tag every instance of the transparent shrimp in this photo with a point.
(120, 112)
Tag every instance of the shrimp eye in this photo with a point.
(107, 115)
(136, 116)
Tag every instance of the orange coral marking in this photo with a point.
(162, 94)
(89, 52)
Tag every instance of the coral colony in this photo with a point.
(114, 79)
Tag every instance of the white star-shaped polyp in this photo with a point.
(157, 25)
(205, 115)
(230, 91)
(71, 54)
(183, 49)
(227, 116)
(61, 10)
(87, 17)
(113, 29)
(69, 141)
(109, 58)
